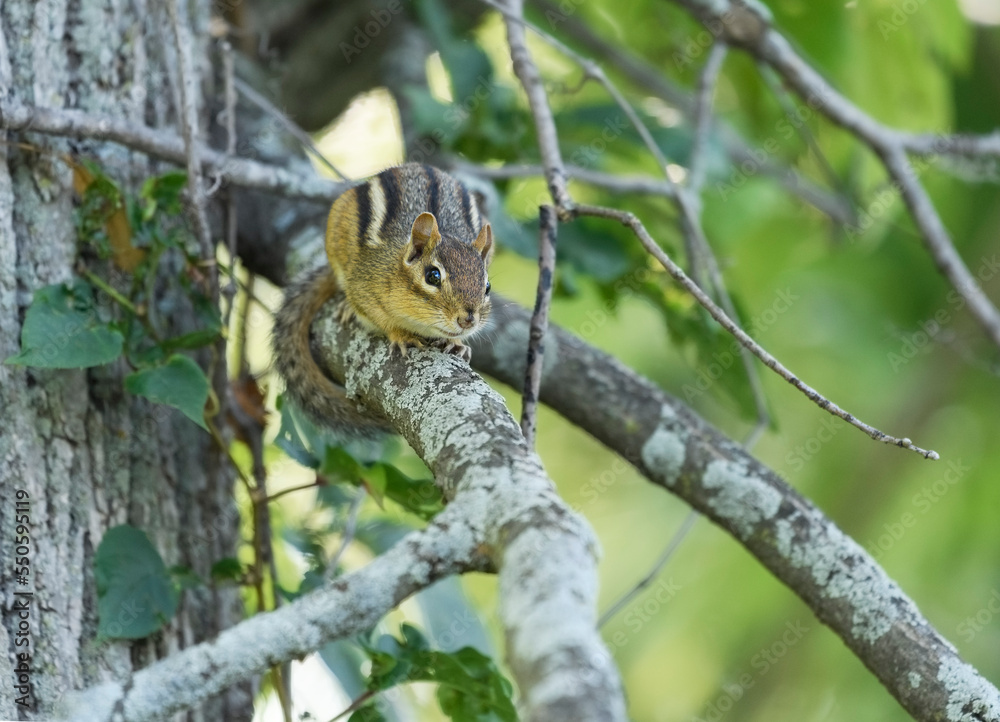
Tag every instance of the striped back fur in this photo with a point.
(388, 204)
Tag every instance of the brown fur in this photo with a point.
(379, 243)
(313, 391)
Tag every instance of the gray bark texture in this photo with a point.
(89, 455)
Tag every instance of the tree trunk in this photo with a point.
(86, 454)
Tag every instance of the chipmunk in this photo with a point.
(410, 253)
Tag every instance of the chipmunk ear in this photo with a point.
(484, 244)
(424, 236)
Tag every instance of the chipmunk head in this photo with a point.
(449, 280)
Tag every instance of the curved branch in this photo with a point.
(504, 514)
(349, 605)
(675, 449)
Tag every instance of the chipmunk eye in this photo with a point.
(487, 288)
(433, 276)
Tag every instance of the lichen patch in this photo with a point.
(742, 498)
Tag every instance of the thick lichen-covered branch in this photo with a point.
(544, 553)
(676, 449)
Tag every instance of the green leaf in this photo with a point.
(367, 713)
(467, 63)
(185, 577)
(432, 117)
(179, 382)
(135, 594)
(332, 495)
(311, 581)
(306, 540)
(227, 569)
(380, 535)
(100, 200)
(594, 249)
(597, 134)
(514, 235)
(470, 687)
(190, 341)
(374, 481)
(62, 331)
(420, 496)
(340, 466)
(290, 441)
(469, 68)
(163, 193)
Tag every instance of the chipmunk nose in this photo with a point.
(468, 320)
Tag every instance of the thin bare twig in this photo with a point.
(188, 113)
(631, 221)
(229, 115)
(613, 183)
(687, 201)
(315, 484)
(356, 704)
(700, 252)
(807, 136)
(695, 245)
(288, 124)
(702, 120)
(547, 231)
(545, 126)
(189, 92)
(661, 562)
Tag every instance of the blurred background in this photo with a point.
(845, 295)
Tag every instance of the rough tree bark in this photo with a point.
(88, 455)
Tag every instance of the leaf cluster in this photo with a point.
(87, 322)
